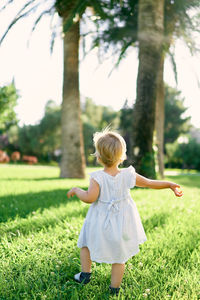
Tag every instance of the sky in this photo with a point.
(38, 73)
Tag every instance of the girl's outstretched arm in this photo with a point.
(142, 181)
(88, 196)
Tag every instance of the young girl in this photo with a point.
(112, 231)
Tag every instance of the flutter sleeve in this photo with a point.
(96, 176)
(131, 177)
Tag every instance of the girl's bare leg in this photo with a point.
(117, 275)
(85, 260)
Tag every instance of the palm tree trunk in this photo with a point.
(160, 119)
(73, 160)
(150, 51)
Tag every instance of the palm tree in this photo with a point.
(150, 36)
(143, 22)
(177, 24)
(73, 159)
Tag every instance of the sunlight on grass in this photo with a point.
(40, 226)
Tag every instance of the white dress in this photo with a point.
(112, 230)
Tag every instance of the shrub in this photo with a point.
(184, 155)
(15, 156)
(30, 159)
(4, 158)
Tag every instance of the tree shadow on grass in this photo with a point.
(23, 204)
(34, 224)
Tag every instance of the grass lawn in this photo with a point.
(39, 228)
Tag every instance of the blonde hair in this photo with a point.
(110, 147)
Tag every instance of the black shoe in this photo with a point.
(114, 291)
(82, 277)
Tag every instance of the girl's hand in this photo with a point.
(176, 189)
(71, 193)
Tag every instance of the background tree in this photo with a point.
(8, 101)
(175, 123)
(43, 139)
(50, 132)
(126, 116)
(95, 118)
(184, 155)
(179, 23)
(29, 140)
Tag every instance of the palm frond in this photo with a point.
(52, 42)
(46, 12)
(121, 56)
(24, 7)
(173, 62)
(54, 29)
(5, 5)
(19, 16)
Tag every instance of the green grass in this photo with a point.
(39, 228)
